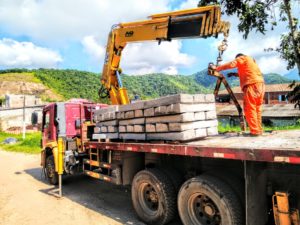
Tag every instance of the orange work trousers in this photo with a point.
(253, 100)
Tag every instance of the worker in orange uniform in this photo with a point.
(253, 87)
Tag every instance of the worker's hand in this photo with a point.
(211, 66)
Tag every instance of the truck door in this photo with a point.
(48, 126)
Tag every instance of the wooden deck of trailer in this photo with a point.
(279, 147)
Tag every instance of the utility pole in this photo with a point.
(24, 125)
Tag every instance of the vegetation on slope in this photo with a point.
(70, 83)
(22, 81)
(274, 78)
(209, 81)
(81, 84)
(155, 85)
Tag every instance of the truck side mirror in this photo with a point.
(34, 118)
(77, 123)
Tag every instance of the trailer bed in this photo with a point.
(278, 146)
(276, 140)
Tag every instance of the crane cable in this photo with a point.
(222, 48)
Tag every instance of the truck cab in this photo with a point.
(72, 121)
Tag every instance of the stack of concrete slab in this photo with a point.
(178, 117)
(106, 123)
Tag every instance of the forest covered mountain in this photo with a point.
(82, 84)
(209, 81)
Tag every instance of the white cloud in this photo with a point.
(26, 55)
(56, 20)
(189, 4)
(151, 57)
(95, 50)
(144, 58)
(272, 63)
(171, 70)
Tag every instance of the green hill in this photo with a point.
(70, 83)
(209, 81)
(274, 78)
(155, 85)
(81, 84)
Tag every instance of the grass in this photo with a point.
(227, 128)
(31, 144)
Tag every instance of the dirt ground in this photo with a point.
(26, 198)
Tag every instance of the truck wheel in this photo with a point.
(208, 200)
(50, 170)
(175, 177)
(153, 197)
(233, 181)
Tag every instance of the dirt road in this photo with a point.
(26, 198)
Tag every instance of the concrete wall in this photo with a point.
(16, 101)
(14, 117)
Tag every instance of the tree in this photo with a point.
(290, 43)
(257, 15)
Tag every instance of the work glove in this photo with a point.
(211, 66)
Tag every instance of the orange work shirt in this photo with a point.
(248, 70)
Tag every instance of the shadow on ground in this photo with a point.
(108, 199)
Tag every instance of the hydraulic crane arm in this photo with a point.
(200, 22)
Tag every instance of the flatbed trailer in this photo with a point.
(277, 146)
(263, 165)
(227, 179)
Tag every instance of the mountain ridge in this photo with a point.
(81, 84)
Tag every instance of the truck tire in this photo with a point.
(51, 174)
(208, 200)
(175, 177)
(233, 181)
(153, 197)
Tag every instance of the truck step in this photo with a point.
(101, 177)
(92, 168)
(92, 153)
(99, 164)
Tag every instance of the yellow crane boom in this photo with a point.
(200, 22)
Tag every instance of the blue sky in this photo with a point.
(71, 34)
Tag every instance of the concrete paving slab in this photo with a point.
(185, 117)
(132, 121)
(133, 136)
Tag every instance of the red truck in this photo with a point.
(226, 179)
(221, 180)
